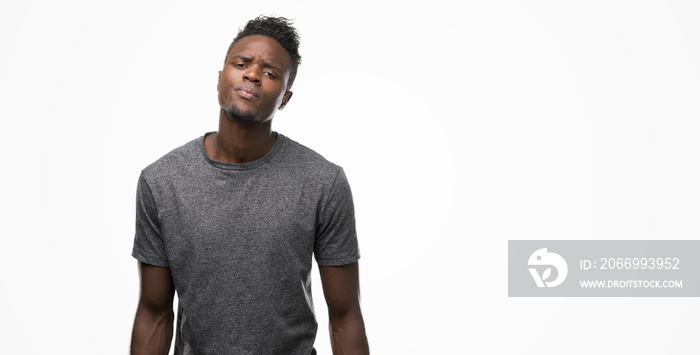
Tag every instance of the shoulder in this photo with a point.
(307, 157)
(307, 161)
(174, 162)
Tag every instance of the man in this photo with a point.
(231, 220)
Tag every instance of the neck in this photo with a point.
(239, 142)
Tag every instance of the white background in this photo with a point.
(460, 126)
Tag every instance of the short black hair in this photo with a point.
(281, 30)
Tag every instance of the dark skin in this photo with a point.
(153, 324)
(253, 85)
(341, 288)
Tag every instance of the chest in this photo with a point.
(249, 221)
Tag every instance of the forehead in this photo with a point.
(258, 47)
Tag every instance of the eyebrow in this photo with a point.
(267, 64)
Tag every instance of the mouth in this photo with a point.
(247, 93)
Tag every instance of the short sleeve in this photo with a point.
(336, 237)
(148, 242)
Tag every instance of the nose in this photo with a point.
(252, 74)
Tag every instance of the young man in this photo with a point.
(232, 219)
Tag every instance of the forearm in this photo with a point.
(348, 335)
(152, 334)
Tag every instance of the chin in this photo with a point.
(237, 115)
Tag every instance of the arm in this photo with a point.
(153, 325)
(342, 292)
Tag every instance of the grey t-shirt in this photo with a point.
(239, 240)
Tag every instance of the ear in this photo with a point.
(218, 83)
(285, 99)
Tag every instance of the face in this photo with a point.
(253, 83)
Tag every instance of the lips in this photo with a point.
(247, 92)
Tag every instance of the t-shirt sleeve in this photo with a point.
(336, 237)
(148, 242)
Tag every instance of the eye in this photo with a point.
(239, 65)
(270, 75)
